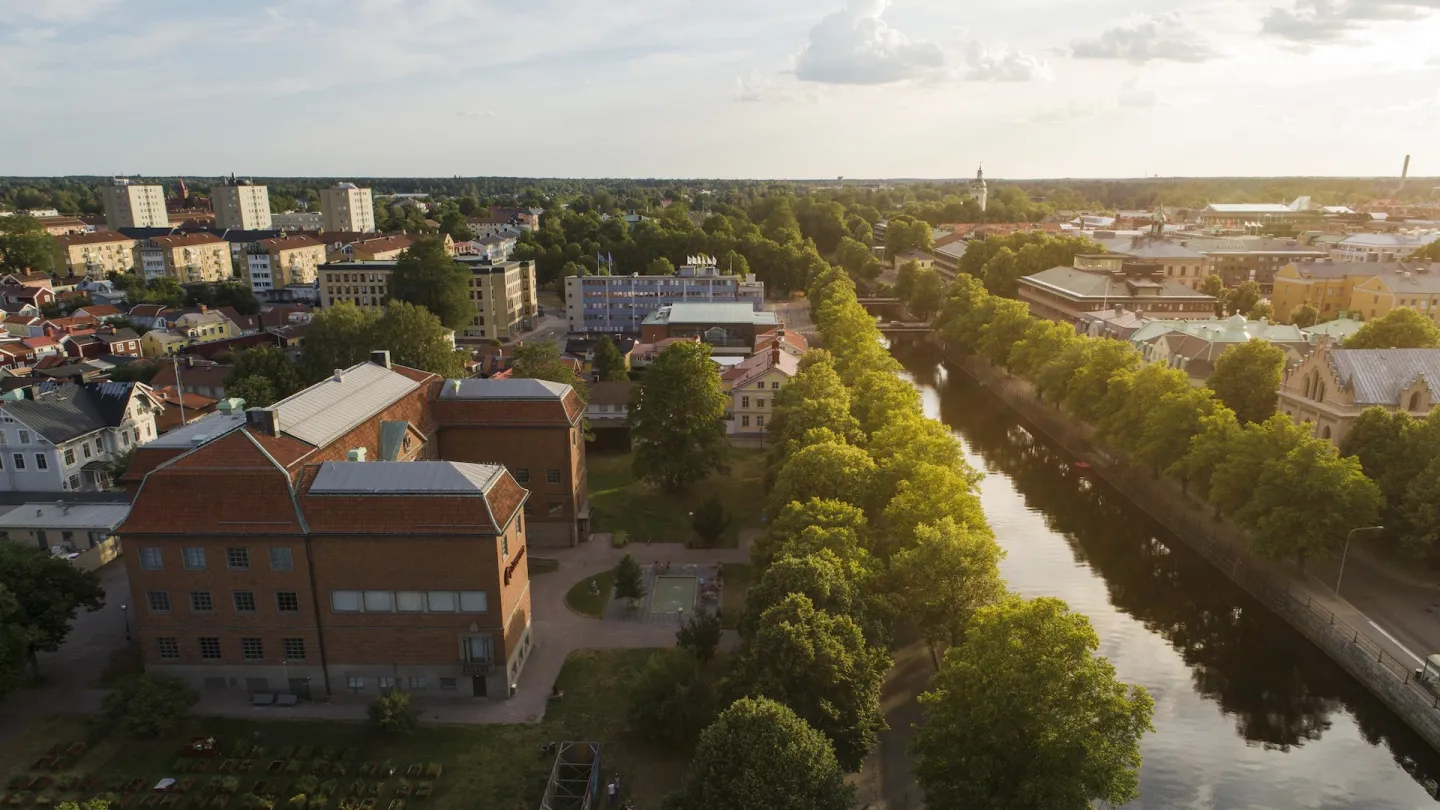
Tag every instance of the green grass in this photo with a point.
(737, 581)
(582, 601)
(648, 514)
(485, 766)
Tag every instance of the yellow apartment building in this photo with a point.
(1417, 288)
(94, 254)
(187, 258)
(134, 205)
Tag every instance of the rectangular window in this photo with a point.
(775, 385)
(522, 475)
(169, 647)
(441, 601)
(150, 559)
(85, 447)
(760, 420)
(69, 456)
(159, 601)
(417, 683)
(24, 437)
(251, 649)
(557, 510)
(200, 602)
(378, 602)
(280, 559)
(237, 559)
(410, 601)
(345, 601)
(745, 420)
(289, 601)
(744, 402)
(294, 649)
(355, 682)
(552, 475)
(474, 602)
(244, 601)
(209, 647)
(447, 684)
(385, 683)
(19, 461)
(760, 403)
(193, 557)
(477, 649)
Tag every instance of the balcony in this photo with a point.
(481, 668)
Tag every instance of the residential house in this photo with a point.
(44, 346)
(59, 225)
(99, 312)
(23, 326)
(206, 326)
(1102, 282)
(83, 533)
(95, 254)
(181, 408)
(788, 340)
(21, 292)
(1331, 388)
(15, 354)
(64, 439)
(188, 258)
(162, 343)
(1194, 346)
(74, 325)
(1417, 287)
(609, 405)
(751, 387)
(154, 316)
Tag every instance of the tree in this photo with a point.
(1306, 501)
(149, 705)
(1246, 378)
(758, 753)
(47, 591)
(1244, 456)
(828, 469)
(1042, 342)
(822, 577)
(700, 635)
(878, 397)
(1398, 329)
(338, 337)
(673, 698)
(629, 579)
(1305, 316)
(660, 267)
(819, 665)
(802, 529)
(677, 419)
(1023, 714)
(609, 363)
(542, 361)
(256, 391)
(1130, 400)
(710, 520)
(928, 294)
(1261, 310)
(14, 644)
(949, 573)
(417, 339)
(905, 278)
(1169, 427)
(814, 398)
(393, 713)
(427, 276)
(272, 364)
(25, 245)
(1419, 513)
(1008, 325)
(1104, 359)
(1244, 297)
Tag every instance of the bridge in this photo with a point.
(878, 301)
(903, 327)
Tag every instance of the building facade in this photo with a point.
(94, 254)
(134, 205)
(66, 439)
(364, 284)
(729, 329)
(241, 205)
(1331, 388)
(752, 386)
(347, 207)
(1066, 293)
(188, 258)
(1380, 247)
(273, 264)
(505, 295)
(1251, 258)
(622, 303)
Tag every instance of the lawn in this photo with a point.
(737, 581)
(583, 601)
(645, 513)
(481, 766)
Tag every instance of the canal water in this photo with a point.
(1248, 714)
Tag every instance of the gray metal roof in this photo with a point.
(405, 477)
(503, 389)
(328, 409)
(202, 430)
(50, 515)
(70, 411)
(1085, 284)
(1378, 376)
(711, 313)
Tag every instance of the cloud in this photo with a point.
(1157, 37)
(49, 11)
(1314, 22)
(1074, 111)
(1134, 96)
(1001, 64)
(855, 46)
(477, 114)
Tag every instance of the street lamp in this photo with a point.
(125, 612)
(1346, 552)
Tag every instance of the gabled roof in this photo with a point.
(327, 410)
(71, 411)
(290, 242)
(96, 238)
(610, 393)
(187, 240)
(98, 311)
(404, 477)
(408, 497)
(504, 389)
(1379, 376)
(1084, 284)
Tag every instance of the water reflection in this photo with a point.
(1281, 693)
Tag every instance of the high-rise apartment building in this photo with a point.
(349, 208)
(242, 205)
(134, 205)
(505, 293)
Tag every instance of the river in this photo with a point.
(1248, 713)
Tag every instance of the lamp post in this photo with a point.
(1346, 552)
(125, 612)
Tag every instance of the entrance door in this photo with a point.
(479, 683)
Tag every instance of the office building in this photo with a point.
(347, 207)
(134, 205)
(622, 303)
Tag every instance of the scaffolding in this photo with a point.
(574, 779)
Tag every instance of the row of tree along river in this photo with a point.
(1248, 713)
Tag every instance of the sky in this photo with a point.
(720, 88)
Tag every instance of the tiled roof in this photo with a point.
(290, 243)
(610, 393)
(404, 477)
(97, 238)
(1083, 284)
(410, 497)
(228, 486)
(99, 311)
(504, 389)
(1378, 376)
(385, 244)
(327, 410)
(187, 240)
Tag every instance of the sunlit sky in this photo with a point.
(720, 88)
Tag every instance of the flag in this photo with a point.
(610, 259)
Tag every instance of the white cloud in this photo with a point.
(477, 114)
(757, 88)
(1001, 64)
(1134, 95)
(1313, 22)
(1160, 36)
(855, 46)
(67, 11)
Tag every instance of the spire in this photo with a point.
(980, 173)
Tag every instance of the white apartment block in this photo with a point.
(132, 205)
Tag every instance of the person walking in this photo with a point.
(614, 790)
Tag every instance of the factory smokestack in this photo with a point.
(1404, 173)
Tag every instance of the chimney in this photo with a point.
(265, 420)
(380, 358)
(775, 355)
(454, 386)
(339, 375)
(356, 454)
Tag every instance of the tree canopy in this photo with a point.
(609, 363)
(677, 418)
(44, 593)
(427, 276)
(1398, 329)
(25, 245)
(1246, 378)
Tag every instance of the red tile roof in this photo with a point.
(99, 311)
(226, 487)
(410, 513)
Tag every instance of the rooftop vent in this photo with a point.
(339, 375)
(356, 454)
(380, 358)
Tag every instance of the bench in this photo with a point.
(286, 699)
(262, 699)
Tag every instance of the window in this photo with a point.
(251, 649)
(200, 602)
(86, 448)
(557, 510)
(209, 647)
(385, 683)
(355, 682)
(760, 421)
(417, 683)
(280, 559)
(169, 647)
(745, 421)
(378, 601)
(441, 601)
(159, 601)
(237, 559)
(760, 403)
(473, 602)
(74, 482)
(522, 475)
(294, 649)
(193, 557)
(477, 649)
(744, 402)
(19, 461)
(150, 559)
(447, 684)
(552, 476)
(289, 601)
(99, 445)
(410, 601)
(24, 437)
(69, 456)
(244, 601)
(775, 385)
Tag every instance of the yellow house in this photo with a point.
(1329, 389)
(1325, 285)
(94, 254)
(206, 327)
(1417, 288)
(751, 387)
(161, 343)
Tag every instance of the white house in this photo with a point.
(64, 440)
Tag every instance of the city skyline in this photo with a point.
(816, 89)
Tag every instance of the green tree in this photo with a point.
(1305, 316)
(949, 573)
(1419, 513)
(928, 294)
(673, 698)
(1042, 342)
(47, 591)
(338, 337)
(1261, 310)
(417, 339)
(1169, 427)
(393, 713)
(609, 363)
(629, 579)
(1209, 448)
(677, 419)
(803, 529)
(824, 578)
(256, 391)
(148, 705)
(660, 267)
(1243, 458)
(1130, 400)
(819, 665)
(927, 494)
(824, 470)
(14, 644)
(758, 753)
(1398, 329)
(710, 520)
(270, 363)
(1246, 378)
(814, 398)
(1306, 501)
(905, 278)
(1244, 297)
(427, 276)
(25, 245)
(1009, 324)
(541, 360)
(1023, 715)
(878, 397)
(700, 635)
(1104, 359)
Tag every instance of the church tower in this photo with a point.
(979, 190)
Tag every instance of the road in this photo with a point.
(1406, 611)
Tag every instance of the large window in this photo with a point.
(244, 601)
(252, 649)
(237, 559)
(159, 601)
(200, 602)
(150, 559)
(345, 601)
(409, 601)
(477, 649)
(473, 602)
(379, 602)
(287, 601)
(209, 647)
(193, 557)
(280, 559)
(169, 647)
(294, 649)
(441, 601)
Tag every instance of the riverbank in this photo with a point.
(1335, 626)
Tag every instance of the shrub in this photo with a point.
(393, 713)
(148, 705)
(619, 539)
(710, 520)
(700, 635)
(673, 698)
